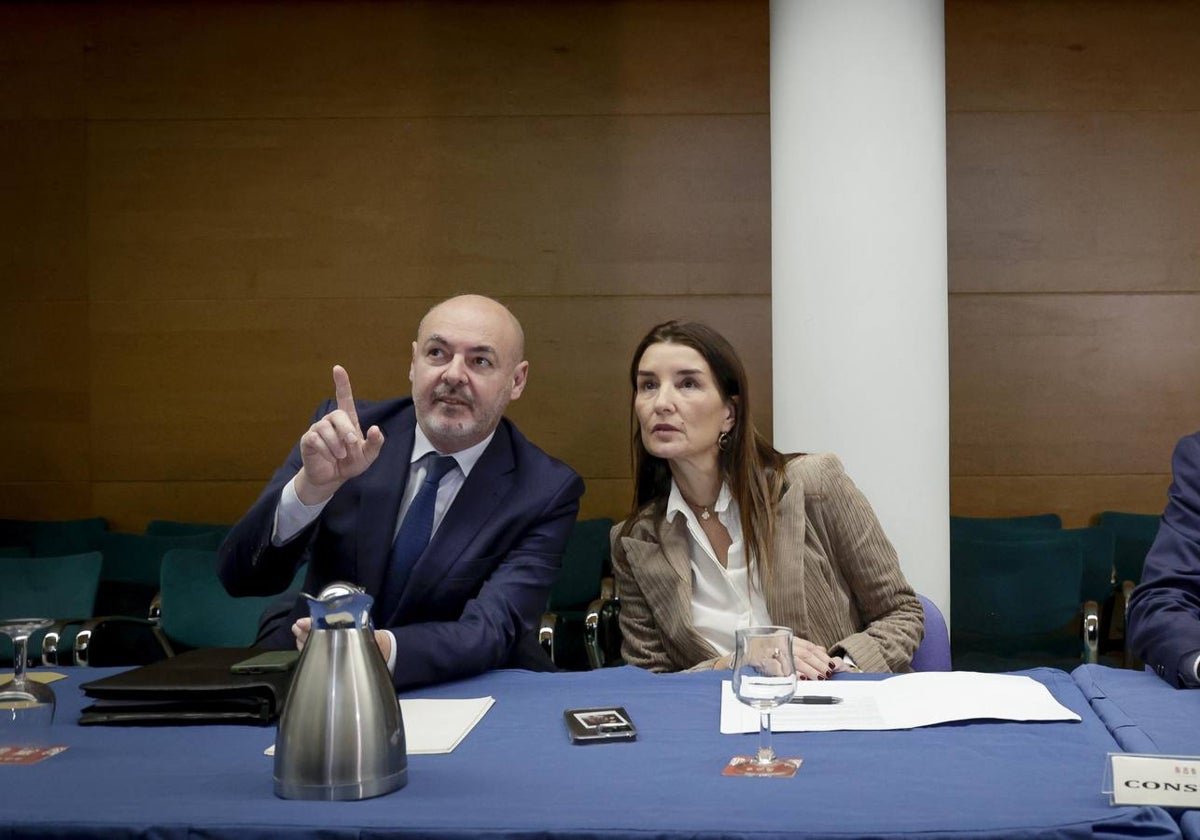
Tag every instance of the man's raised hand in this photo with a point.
(334, 449)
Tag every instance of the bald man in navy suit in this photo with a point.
(1164, 610)
(503, 510)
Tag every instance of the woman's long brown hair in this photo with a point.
(753, 468)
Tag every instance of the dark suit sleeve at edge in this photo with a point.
(1164, 610)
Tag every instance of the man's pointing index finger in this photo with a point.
(345, 397)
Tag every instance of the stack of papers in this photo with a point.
(902, 702)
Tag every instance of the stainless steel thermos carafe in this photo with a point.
(340, 735)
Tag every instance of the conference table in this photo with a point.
(517, 775)
(1146, 715)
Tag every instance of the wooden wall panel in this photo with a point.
(43, 210)
(44, 388)
(1078, 499)
(212, 390)
(129, 505)
(44, 363)
(234, 196)
(252, 60)
(43, 49)
(207, 392)
(1072, 384)
(1074, 239)
(1072, 55)
(278, 210)
(1074, 202)
(45, 499)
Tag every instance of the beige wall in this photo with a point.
(204, 206)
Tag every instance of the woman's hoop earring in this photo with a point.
(724, 441)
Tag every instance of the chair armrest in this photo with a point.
(83, 640)
(591, 633)
(1091, 632)
(546, 633)
(602, 633)
(595, 622)
(52, 639)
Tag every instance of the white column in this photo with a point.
(858, 216)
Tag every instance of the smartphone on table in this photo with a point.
(599, 724)
(268, 662)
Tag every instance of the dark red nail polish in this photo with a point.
(803, 677)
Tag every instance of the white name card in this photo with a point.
(1169, 781)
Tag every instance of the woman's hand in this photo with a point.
(812, 661)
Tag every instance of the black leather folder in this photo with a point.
(191, 688)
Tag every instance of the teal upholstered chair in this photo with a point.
(1017, 603)
(181, 528)
(192, 610)
(1133, 533)
(970, 527)
(59, 538)
(132, 568)
(16, 532)
(1096, 598)
(195, 611)
(59, 588)
(52, 537)
(579, 583)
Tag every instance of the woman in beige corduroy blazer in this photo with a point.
(810, 540)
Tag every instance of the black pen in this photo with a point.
(815, 699)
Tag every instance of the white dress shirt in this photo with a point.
(727, 597)
(292, 516)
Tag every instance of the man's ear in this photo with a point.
(412, 363)
(520, 377)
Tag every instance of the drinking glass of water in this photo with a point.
(764, 677)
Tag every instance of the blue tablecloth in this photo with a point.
(517, 775)
(1146, 715)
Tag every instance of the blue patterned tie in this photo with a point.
(413, 536)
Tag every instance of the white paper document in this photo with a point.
(905, 701)
(436, 727)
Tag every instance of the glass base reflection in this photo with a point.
(776, 768)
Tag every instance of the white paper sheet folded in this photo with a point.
(433, 727)
(904, 701)
(436, 727)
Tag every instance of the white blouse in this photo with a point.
(724, 598)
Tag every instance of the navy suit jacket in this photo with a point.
(1164, 610)
(480, 587)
